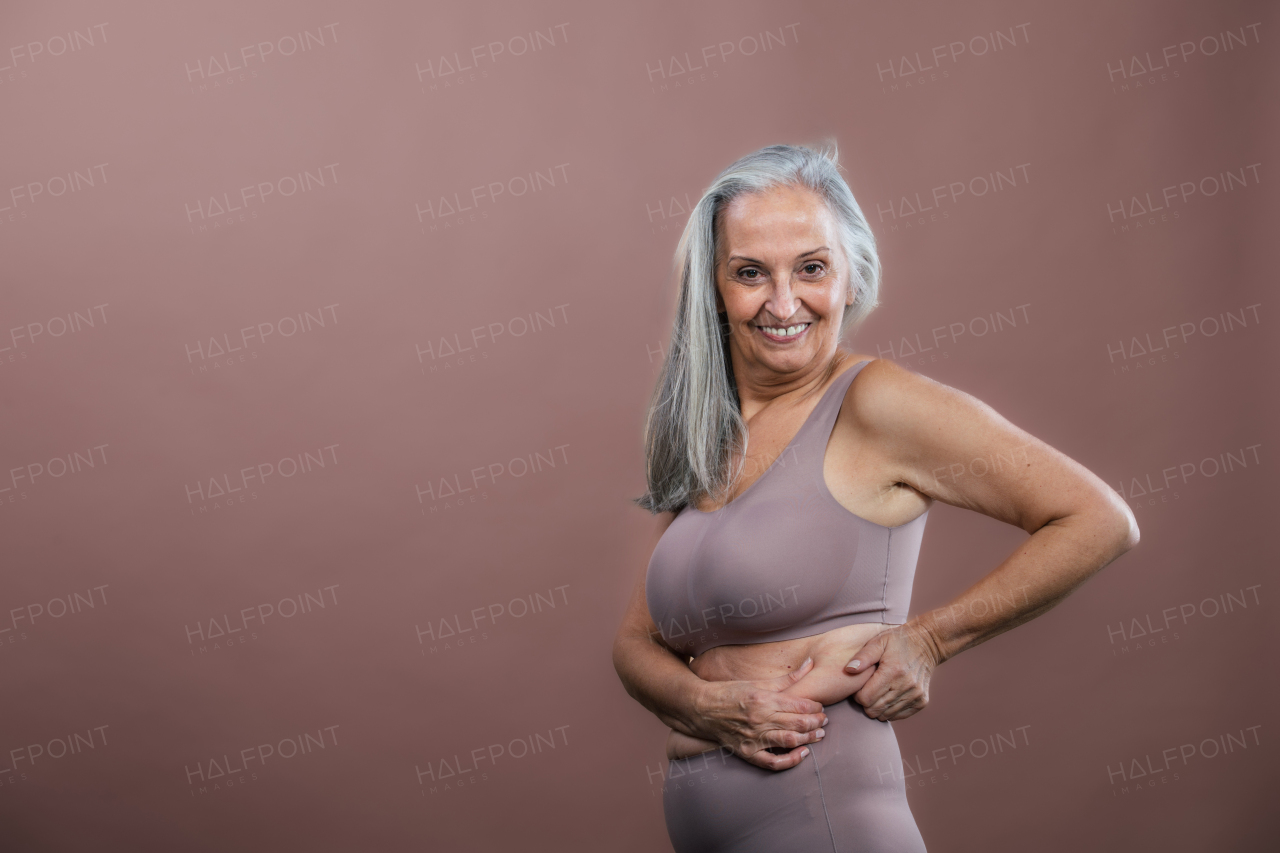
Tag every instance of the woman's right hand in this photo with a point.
(749, 717)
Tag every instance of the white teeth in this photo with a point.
(789, 331)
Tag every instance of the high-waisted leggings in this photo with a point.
(847, 795)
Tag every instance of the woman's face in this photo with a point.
(782, 279)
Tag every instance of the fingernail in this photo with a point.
(807, 661)
(804, 753)
(854, 664)
(820, 734)
(824, 719)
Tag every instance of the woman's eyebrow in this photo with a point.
(754, 261)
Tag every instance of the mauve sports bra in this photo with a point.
(782, 560)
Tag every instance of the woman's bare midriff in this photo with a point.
(827, 683)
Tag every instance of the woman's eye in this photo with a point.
(813, 269)
(749, 273)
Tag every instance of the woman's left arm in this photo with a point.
(956, 449)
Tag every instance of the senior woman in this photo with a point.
(793, 480)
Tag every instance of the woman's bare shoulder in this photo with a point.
(881, 370)
(886, 396)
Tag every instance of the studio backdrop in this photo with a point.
(328, 331)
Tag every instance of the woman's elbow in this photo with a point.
(624, 661)
(1121, 526)
(1132, 535)
(620, 656)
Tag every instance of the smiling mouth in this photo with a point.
(783, 334)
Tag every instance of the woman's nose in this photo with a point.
(782, 303)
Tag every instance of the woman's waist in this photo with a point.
(759, 661)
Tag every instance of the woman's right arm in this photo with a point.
(745, 716)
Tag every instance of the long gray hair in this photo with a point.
(694, 426)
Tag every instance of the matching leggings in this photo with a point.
(847, 796)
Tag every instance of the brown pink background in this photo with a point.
(621, 138)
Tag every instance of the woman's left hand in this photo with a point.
(904, 659)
